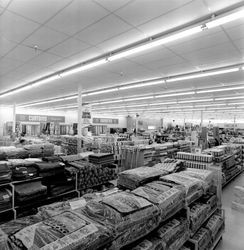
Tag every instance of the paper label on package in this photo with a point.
(145, 245)
(77, 204)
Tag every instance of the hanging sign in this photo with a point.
(39, 118)
(86, 114)
(105, 121)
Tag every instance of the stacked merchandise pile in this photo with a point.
(238, 202)
(229, 158)
(39, 150)
(91, 175)
(14, 153)
(183, 146)
(114, 220)
(5, 198)
(69, 144)
(101, 158)
(5, 172)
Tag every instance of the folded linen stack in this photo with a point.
(101, 158)
(23, 169)
(53, 158)
(5, 199)
(5, 172)
(34, 150)
(136, 177)
(3, 155)
(193, 187)
(71, 158)
(130, 217)
(15, 153)
(30, 191)
(171, 165)
(49, 169)
(48, 149)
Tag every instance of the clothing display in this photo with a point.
(134, 178)
(30, 191)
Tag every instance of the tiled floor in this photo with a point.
(233, 238)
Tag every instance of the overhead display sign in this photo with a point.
(105, 120)
(39, 118)
(86, 114)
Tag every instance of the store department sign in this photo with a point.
(86, 114)
(39, 118)
(105, 120)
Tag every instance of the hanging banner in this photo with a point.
(105, 121)
(86, 114)
(39, 118)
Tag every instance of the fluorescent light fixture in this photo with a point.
(161, 103)
(84, 67)
(229, 98)
(219, 90)
(48, 79)
(155, 43)
(14, 91)
(225, 19)
(139, 98)
(102, 91)
(143, 84)
(200, 100)
(70, 98)
(176, 94)
(204, 74)
(210, 105)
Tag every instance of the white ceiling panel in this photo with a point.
(180, 68)
(45, 38)
(214, 53)
(141, 11)
(23, 53)
(240, 44)
(7, 64)
(199, 43)
(99, 32)
(1, 10)
(5, 45)
(122, 40)
(14, 27)
(230, 77)
(78, 15)
(4, 3)
(216, 5)
(187, 13)
(69, 47)
(37, 10)
(236, 32)
(112, 5)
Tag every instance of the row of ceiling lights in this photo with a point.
(147, 83)
(152, 43)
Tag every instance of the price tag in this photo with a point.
(77, 204)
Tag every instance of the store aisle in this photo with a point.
(233, 238)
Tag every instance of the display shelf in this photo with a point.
(26, 181)
(232, 178)
(219, 238)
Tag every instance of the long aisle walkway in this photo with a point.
(233, 238)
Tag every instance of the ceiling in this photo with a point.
(38, 39)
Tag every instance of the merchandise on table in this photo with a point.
(30, 191)
(168, 199)
(193, 187)
(134, 178)
(90, 175)
(101, 158)
(34, 150)
(131, 217)
(51, 158)
(5, 198)
(70, 158)
(68, 230)
(194, 157)
(48, 169)
(5, 172)
(3, 155)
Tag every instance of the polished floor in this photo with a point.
(233, 238)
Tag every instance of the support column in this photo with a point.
(201, 125)
(79, 149)
(14, 118)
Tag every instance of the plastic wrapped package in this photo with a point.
(154, 243)
(193, 187)
(5, 172)
(203, 238)
(174, 233)
(168, 199)
(129, 216)
(214, 225)
(134, 178)
(68, 230)
(198, 213)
